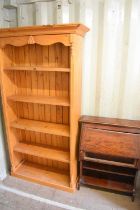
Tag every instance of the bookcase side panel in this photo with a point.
(9, 108)
(75, 102)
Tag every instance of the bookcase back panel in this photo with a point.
(56, 55)
(52, 164)
(33, 82)
(41, 139)
(38, 83)
(40, 112)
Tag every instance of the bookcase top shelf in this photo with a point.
(36, 68)
(77, 28)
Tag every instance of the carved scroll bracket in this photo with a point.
(31, 40)
(40, 39)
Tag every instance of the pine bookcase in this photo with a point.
(40, 74)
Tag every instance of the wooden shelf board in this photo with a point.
(109, 162)
(33, 172)
(51, 100)
(43, 152)
(43, 127)
(108, 184)
(36, 68)
(107, 171)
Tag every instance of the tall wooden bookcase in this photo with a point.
(40, 71)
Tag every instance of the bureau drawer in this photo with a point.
(110, 142)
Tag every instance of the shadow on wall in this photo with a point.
(4, 155)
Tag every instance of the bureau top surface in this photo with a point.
(110, 121)
(78, 28)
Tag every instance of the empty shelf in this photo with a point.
(42, 152)
(108, 184)
(36, 173)
(108, 172)
(44, 127)
(36, 68)
(61, 101)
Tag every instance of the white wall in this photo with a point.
(111, 84)
(111, 64)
